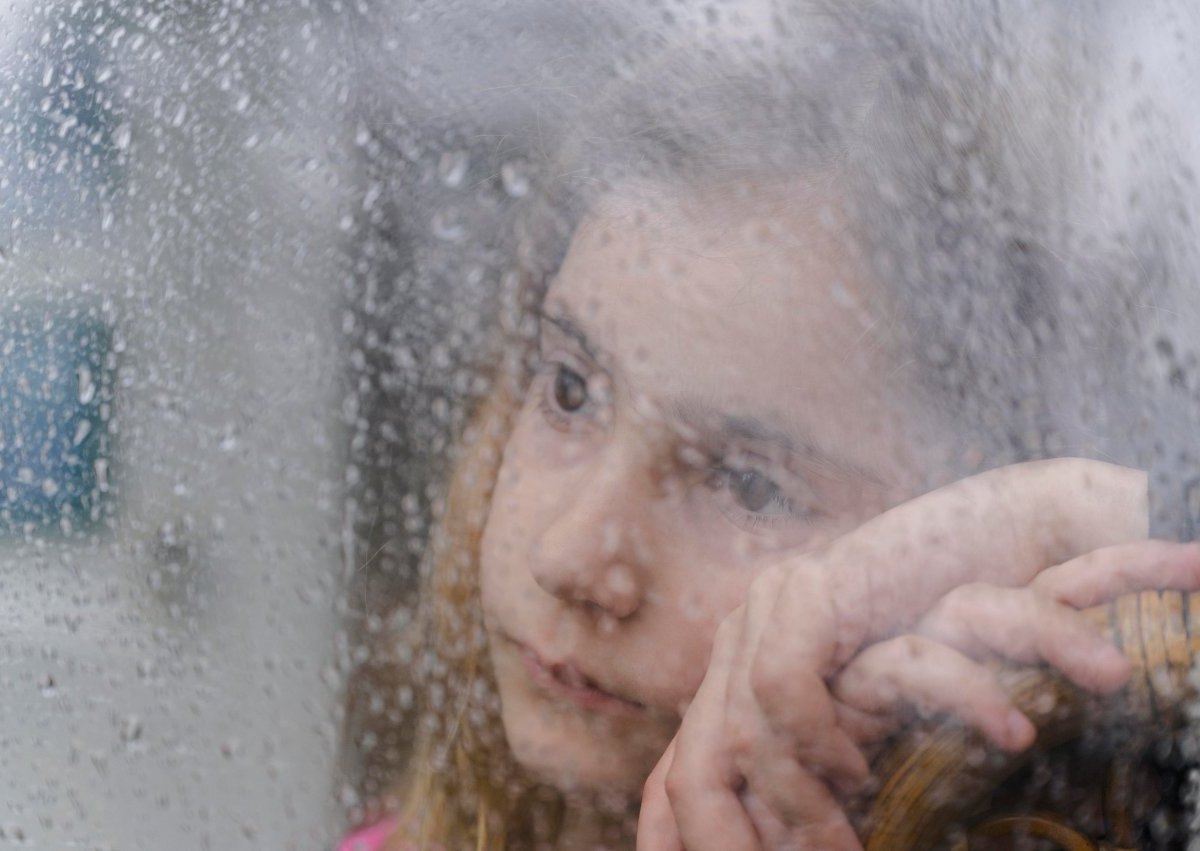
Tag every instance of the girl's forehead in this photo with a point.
(758, 309)
(711, 212)
(775, 259)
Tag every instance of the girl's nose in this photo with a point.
(592, 553)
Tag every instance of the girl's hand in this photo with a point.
(936, 669)
(763, 749)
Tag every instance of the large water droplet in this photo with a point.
(452, 168)
(87, 386)
(447, 224)
(515, 177)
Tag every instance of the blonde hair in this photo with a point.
(464, 789)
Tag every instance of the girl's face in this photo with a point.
(714, 391)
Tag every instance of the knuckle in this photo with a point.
(957, 611)
(676, 784)
(1041, 608)
(743, 744)
(768, 681)
(969, 598)
(764, 591)
(911, 648)
(957, 605)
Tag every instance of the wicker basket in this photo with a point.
(1094, 780)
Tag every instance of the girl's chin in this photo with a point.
(566, 752)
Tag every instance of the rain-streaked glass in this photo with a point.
(282, 289)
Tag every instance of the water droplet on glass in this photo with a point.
(87, 387)
(841, 294)
(229, 441)
(452, 168)
(82, 430)
(957, 135)
(447, 224)
(515, 177)
(131, 729)
(691, 604)
(372, 196)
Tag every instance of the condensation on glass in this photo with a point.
(176, 191)
(252, 260)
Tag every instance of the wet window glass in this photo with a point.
(528, 425)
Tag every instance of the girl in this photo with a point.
(684, 529)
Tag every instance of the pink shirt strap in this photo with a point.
(369, 838)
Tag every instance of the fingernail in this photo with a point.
(1115, 661)
(1116, 655)
(1021, 731)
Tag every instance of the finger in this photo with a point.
(656, 830)
(702, 781)
(772, 832)
(800, 801)
(833, 832)
(787, 689)
(1104, 575)
(1006, 525)
(864, 727)
(829, 831)
(1023, 625)
(837, 833)
(913, 672)
(795, 796)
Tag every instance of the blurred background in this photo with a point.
(246, 251)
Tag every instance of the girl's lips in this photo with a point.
(566, 681)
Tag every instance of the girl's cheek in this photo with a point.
(684, 662)
(527, 491)
(523, 469)
(509, 523)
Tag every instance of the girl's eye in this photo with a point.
(570, 389)
(563, 397)
(751, 500)
(755, 492)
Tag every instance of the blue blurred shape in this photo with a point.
(55, 403)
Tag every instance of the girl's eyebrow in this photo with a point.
(560, 319)
(704, 417)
